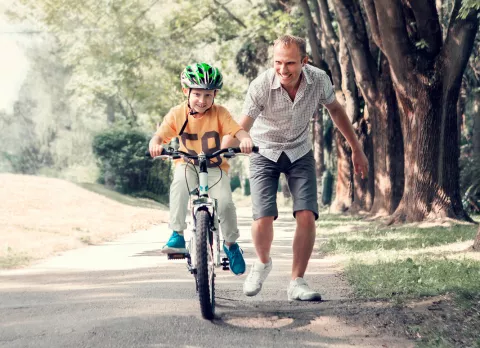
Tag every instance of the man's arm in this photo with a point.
(340, 118)
(228, 141)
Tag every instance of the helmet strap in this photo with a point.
(191, 112)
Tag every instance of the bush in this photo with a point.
(123, 166)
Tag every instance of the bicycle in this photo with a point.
(203, 248)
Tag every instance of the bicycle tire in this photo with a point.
(205, 265)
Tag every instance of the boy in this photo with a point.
(200, 125)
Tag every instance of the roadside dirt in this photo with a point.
(43, 216)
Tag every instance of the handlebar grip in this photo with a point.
(237, 149)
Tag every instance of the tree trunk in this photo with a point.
(427, 82)
(318, 151)
(344, 184)
(387, 146)
(382, 134)
(476, 124)
(476, 243)
(430, 129)
(110, 110)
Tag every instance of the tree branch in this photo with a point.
(327, 23)
(312, 36)
(235, 18)
(458, 44)
(427, 24)
(356, 37)
(396, 45)
(372, 19)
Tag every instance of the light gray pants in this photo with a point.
(179, 197)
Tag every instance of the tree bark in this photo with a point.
(312, 35)
(476, 125)
(427, 82)
(382, 143)
(318, 151)
(476, 242)
(344, 184)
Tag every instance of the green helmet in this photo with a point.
(202, 76)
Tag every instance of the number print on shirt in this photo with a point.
(204, 141)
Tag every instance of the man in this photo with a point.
(277, 111)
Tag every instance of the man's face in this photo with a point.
(288, 64)
(200, 99)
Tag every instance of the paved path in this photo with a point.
(126, 294)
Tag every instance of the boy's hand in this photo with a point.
(246, 145)
(154, 147)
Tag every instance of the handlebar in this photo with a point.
(178, 153)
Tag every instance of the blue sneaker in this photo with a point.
(176, 244)
(234, 254)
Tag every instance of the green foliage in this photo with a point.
(235, 182)
(123, 166)
(467, 6)
(266, 21)
(116, 52)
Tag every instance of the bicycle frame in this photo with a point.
(200, 262)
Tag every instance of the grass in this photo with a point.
(423, 276)
(395, 238)
(121, 198)
(409, 263)
(12, 260)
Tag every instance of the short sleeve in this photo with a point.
(327, 95)
(168, 128)
(228, 124)
(256, 98)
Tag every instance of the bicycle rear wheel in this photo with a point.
(205, 265)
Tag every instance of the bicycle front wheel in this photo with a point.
(205, 265)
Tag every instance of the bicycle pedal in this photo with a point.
(177, 256)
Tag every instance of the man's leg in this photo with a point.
(264, 175)
(262, 235)
(303, 186)
(303, 242)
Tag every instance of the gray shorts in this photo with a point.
(264, 177)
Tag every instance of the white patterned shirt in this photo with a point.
(280, 124)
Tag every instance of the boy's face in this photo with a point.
(200, 99)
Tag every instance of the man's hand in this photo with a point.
(360, 163)
(246, 145)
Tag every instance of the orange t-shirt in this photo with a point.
(201, 134)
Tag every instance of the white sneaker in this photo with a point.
(256, 277)
(299, 290)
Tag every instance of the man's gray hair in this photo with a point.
(287, 40)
